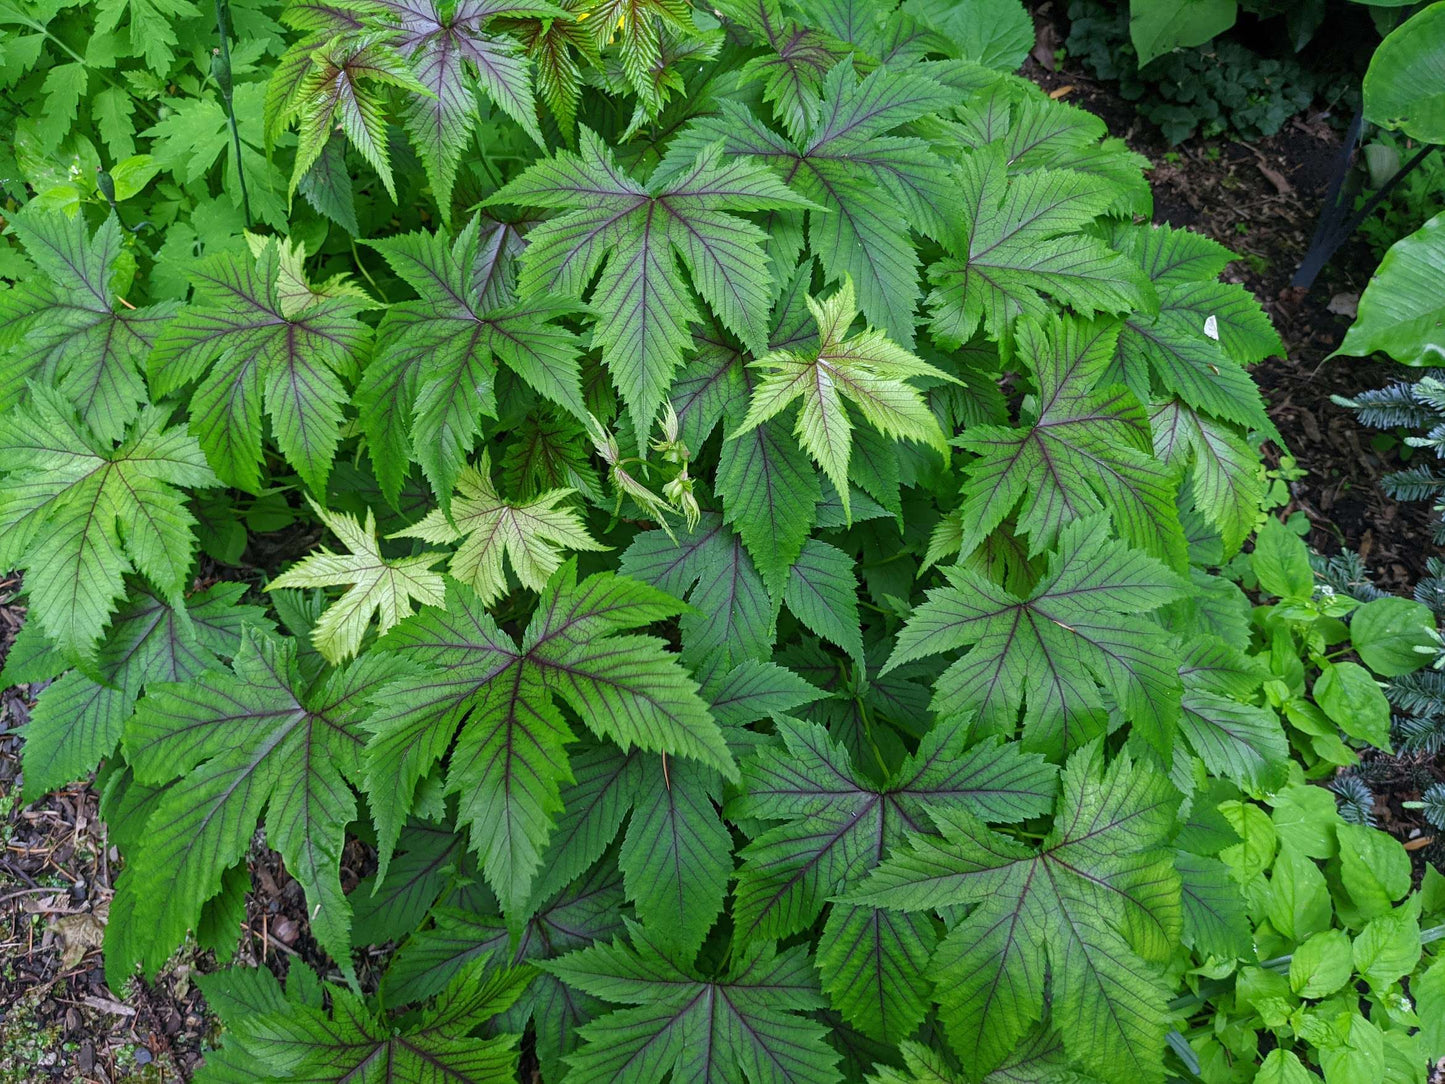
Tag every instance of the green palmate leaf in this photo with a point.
(341, 83)
(837, 826)
(509, 761)
(641, 232)
(376, 585)
(731, 613)
(1235, 738)
(533, 536)
(1048, 653)
(799, 57)
(77, 720)
(1038, 1059)
(448, 48)
(822, 593)
(352, 1043)
(1038, 133)
(1204, 333)
(433, 372)
(258, 739)
(1089, 908)
(1087, 450)
(77, 514)
(741, 1025)
(256, 332)
(608, 782)
(65, 331)
(1226, 479)
(872, 186)
(1019, 239)
(677, 855)
(589, 910)
(866, 370)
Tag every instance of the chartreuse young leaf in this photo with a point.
(768, 488)
(234, 746)
(745, 1023)
(77, 720)
(866, 370)
(376, 585)
(77, 513)
(256, 332)
(355, 1043)
(65, 331)
(433, 372)
(1095, 908)
(641, 235)
(533, 536)
(509, 759)
(1019, 239)
(872, 187)
(838, 825)
(1087, 450)
(1082, 630)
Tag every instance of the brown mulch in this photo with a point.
(60, 1022)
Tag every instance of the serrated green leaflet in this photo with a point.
(1090, 907)
(509, 761)
(78, 514)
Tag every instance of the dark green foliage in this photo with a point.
(736, 510)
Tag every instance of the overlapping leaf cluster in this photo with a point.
(738, 515)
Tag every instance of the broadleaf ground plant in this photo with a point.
(734, 505)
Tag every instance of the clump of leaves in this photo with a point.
(728, 505)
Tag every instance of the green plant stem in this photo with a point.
(222, 71)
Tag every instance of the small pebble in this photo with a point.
(142, 1056)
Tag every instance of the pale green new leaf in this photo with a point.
(866, 370)
(377, 586)
(77, 514)
(1050, 654)
(1096, 907)
(533, 536)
